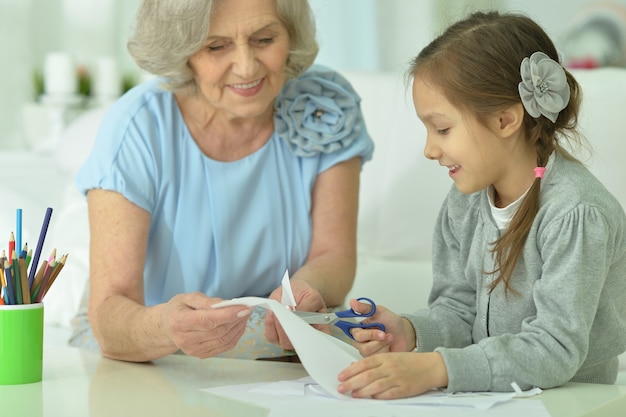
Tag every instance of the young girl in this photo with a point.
(529, 250)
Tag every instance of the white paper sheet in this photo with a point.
(322, 355)
(307, 386)
(290, 398)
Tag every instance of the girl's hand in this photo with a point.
(399, 335)
(307, 299)
(394, 375)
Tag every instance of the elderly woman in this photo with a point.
(237, 162)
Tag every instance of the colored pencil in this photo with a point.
(5, 297)
(34, 289)
(42, 237)
(21, 262)
(29, 256)
(11, 246)
(22, 280)
(56, 270)
(18, 228)
(9, 278)
(47, 273)
(4, 278)
(17, 281)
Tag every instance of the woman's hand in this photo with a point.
(399, 335)
(394, 375)
(201, 331)
(307, 299)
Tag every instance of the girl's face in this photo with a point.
(241, 68)
(475, 156)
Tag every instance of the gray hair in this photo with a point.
(168, 32)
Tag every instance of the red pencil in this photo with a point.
(11, 246)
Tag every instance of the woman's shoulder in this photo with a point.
(318, 77)
(147, 97)
(318, 112)
(135, 121)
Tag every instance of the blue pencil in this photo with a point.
(9, 278)
(42, 237)
(18, 229)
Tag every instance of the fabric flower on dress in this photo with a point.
(544, 89)
(318, 112)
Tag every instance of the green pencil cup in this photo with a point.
(21, 343)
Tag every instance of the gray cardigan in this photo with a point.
(568, 322)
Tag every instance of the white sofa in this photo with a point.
(401, 192)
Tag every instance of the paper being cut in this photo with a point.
(287, 298)
(322, 355)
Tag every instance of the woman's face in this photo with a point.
(241, 68)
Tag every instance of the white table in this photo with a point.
(81, 383)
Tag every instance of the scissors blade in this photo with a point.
(316, 318)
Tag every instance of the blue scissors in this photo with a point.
(335, 318)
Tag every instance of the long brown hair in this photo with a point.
(476, 64)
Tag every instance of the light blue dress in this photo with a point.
(227, 229)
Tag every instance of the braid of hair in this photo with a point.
(508, 248)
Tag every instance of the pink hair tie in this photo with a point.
(539, 171)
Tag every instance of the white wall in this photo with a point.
(31, 28)
(403, 27)
(353, 34)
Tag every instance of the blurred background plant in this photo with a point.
(84, 82)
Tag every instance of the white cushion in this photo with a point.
(401, 190)
(603, 123)
(77, 139)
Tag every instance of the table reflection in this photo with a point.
(169, 386)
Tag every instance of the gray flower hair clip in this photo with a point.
(543, 89)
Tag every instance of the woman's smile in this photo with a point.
(247, 89)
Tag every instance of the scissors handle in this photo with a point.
(351, 313)
(347, 326)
